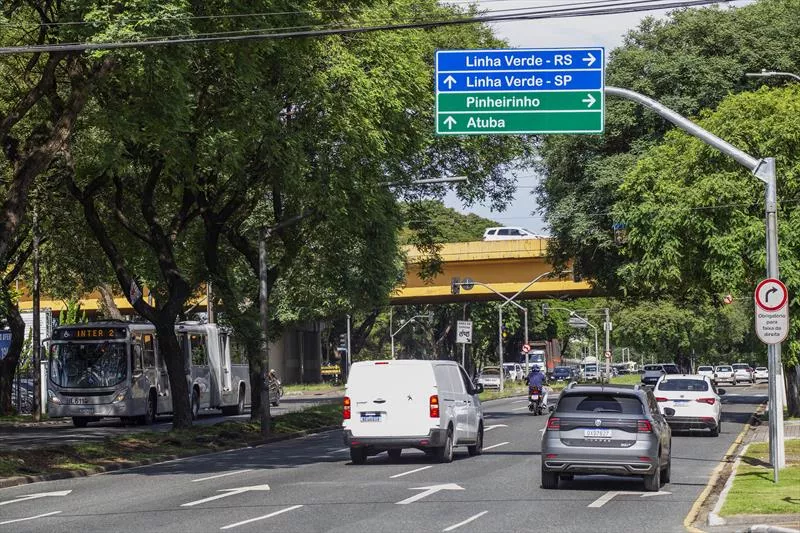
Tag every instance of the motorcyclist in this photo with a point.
(538, 379)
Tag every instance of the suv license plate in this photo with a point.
(597, 433)
(371, 417)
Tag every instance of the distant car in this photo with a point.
(489, 377)
(689, 401)
(504, 234)
(513, 371)
(562, 373)
(602, 429)
(590, 373)
(652, 373)
(725, 374)
(706, 371)
(743, 372)
(761, 373)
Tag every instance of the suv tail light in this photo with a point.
(709, 401)
(661, 399)
(434, 406)
(644, 426)
(554, 423)
(346, 408)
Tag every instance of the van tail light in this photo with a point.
(644, 426)
(709, 401)
(434, 406)
(346, 408)
(661, 399)
(554, 423)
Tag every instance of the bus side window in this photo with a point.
(197, 345)
(136, 357)
(149, 351)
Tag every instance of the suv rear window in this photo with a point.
(671, 369)
(683, 385)
(600, 403)
(705, 368)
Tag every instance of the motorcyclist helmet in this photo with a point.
(535, 368)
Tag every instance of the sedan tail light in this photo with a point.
(346, 408)
(661, 399)
(554, 423)
(644, 426)
(434, 406)
(709, 401)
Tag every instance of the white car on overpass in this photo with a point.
(689, 401)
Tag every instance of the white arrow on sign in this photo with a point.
(608, 496)
(433, 489)
(450, 80)
(36, 496)
(450, 122)
(590, 59)
(589, 100)
(226, 493)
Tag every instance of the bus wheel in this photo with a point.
(195, 404)
(80, 421)
(149, 415)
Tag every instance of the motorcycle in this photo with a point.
(535, 400)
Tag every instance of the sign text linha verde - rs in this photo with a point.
(524, 91)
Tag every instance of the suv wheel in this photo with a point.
(652, 482)
(549, 479)
(478, 448)
(667, 472)
(358, 455)
(444, 454)
(394, 454)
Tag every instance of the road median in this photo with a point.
(126, 451)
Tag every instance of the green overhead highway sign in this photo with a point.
(519, 91)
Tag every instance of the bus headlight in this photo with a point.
(120, 396)
(52, 398)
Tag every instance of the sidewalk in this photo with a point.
(772, 523)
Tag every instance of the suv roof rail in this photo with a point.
(572, 384)
(637, 386)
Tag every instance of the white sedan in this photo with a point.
(490, 378)
(689, 401)
(761, 373)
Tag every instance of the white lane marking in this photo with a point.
(521, 401)
(226, 493)
(223, 475)
(520, 408)
(340, 450)
(276, 513)
(36, 496)
(29, 518)
(495, 446)
(427, 491)
(494, 426)
(608, 496)
(467, 521)
(411, 472)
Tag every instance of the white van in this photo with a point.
(429, 405)
(506, 233)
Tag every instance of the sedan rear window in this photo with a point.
(724, 369)
(600, 403)
(672, 369)
(683, 385)
(705, 369)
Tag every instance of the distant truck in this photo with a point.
(546, 354)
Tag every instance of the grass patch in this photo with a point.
(20, 418)
(155, 445)
(627, 379)
(312, 387)
(753, 491)
(510, 388)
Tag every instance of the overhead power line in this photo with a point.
(542, 13)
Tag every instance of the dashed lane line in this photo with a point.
(28, 518)
(256, 519)
(467, 521)
(495, 446)
(223, 475)
(411, 471)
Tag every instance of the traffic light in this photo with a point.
(342, 340)
(455, 286)
(505, 332)
(545, 309)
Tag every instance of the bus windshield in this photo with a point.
(88, 365)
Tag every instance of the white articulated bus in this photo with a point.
(115, 369)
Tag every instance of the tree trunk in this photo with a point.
(179, 374)
(257, 373)
(792, 373)
(109, 308)
(8, 365)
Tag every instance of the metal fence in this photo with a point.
(22, 389)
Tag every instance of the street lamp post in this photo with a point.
(771, 73)
(407, 322)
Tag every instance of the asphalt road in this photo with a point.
(63, 432)
(308, 484)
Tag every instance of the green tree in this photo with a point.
(695, 218)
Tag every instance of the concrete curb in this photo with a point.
(694, 512)
(766, 528)
(125, 465)
(714, 519)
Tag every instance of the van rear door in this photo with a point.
(390, 399)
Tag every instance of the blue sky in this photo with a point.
(606, 31)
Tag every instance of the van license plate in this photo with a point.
(371, 417)
(597, 433)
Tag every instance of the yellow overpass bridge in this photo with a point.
(507, 266)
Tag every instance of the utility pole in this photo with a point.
(607, 327)
(36, 341)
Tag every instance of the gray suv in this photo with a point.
(602, 429)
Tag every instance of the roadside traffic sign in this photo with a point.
(520, 91)
(464, 331)
(526, 348)
(772, 311)
(608, 355)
